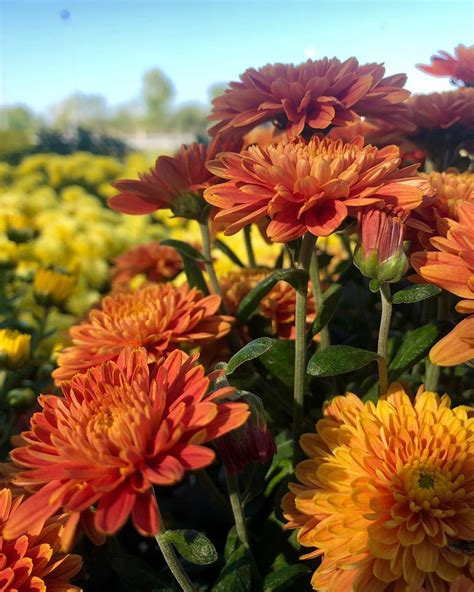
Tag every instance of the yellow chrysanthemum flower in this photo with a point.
(14, 348)
(387, 493)
(8, 254)
(53, 286)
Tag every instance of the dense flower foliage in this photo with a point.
(119, 429)
(386, 488)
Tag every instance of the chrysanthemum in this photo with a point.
(119, 429)
(458, 345)
(172, 177)
(278, 305)
(157, 262)
(459, 67)
(315, 94)
(310, 187)
(34, 562)
(387, 488)
(14, 348)
(158, 317)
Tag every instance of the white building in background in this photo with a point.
(159, 142)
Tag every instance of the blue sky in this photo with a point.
(106, 45)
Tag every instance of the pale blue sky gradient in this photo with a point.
(106, 45)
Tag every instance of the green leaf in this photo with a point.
(415, 294)
(250, 351)
(218, 244)
(236, 575)
(184, 249)
(280, 361)
(232, 542)
(414, 348)
(136, 575)
(339, 359)
(250, 303)
(327, 309)
(285, 579)
(194, 546)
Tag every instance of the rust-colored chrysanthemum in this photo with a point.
(183, 175)
(459, 67)
(34, 562)
(278, 305)
(316, 94)
(158, 263)
(158, 317)
(119, 429)
(310, 187)
(387, 488)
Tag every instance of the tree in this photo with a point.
(18, 118)
(216, 90)
(81, 109)
(157, 93)
(191, 117)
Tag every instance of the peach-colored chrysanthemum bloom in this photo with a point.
(459, 67)
(119, 429)
(310, 187)
(316, 94)
(278, 305)
(158, 317)
(451, 267)
(385, 491)
(34, 562)
(171, 177)
(157, 262)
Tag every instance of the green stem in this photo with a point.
(248, 245)
(172, 560)
(41, 331)
(211, 272)
(433, 371)
(386, 299)
(306, 251)
(237, 509)
(314, 272)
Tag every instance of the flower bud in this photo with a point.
(252, 442)
(379, 254)
(191, 206)
(53, 286)
(21, 398)
(14, 348)
(19, 228)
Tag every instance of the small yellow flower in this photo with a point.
(19, 228)
(14, 348)
(53, 286)
(8, 254)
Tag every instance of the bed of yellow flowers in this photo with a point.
(250, 366)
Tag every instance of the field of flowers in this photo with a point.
(250, 366)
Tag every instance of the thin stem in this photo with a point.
(211, 272)
(386, 299)
(41, 330)
(248, 245)
(433, 371)
(172, 560)
(306, 251)
(237, 509)
(314, 272)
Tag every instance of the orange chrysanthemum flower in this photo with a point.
(387, 488)
(315, 94)
(172, 177)
(158, 317)
(119, 429)
(278, 305)
(310, 187)
(159, 263)
(459, 67)
(34, 562)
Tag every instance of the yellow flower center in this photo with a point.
(429, 485)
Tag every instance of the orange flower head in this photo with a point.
(278, 306)
(118, 430)
(34, 562)
(158, 317)
(316, 95)
(174, 181)
(310, 187)
(459, 67)
(387, 488)
(159, 263)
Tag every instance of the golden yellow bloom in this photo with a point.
(14, 348)
(387, 492)
(8, 254)
(53, 286)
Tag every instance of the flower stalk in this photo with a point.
(304, 261)
(314, 272)
(249, 246)
(237, 508)
(211, 272)
(172, 560)
(386, 299)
